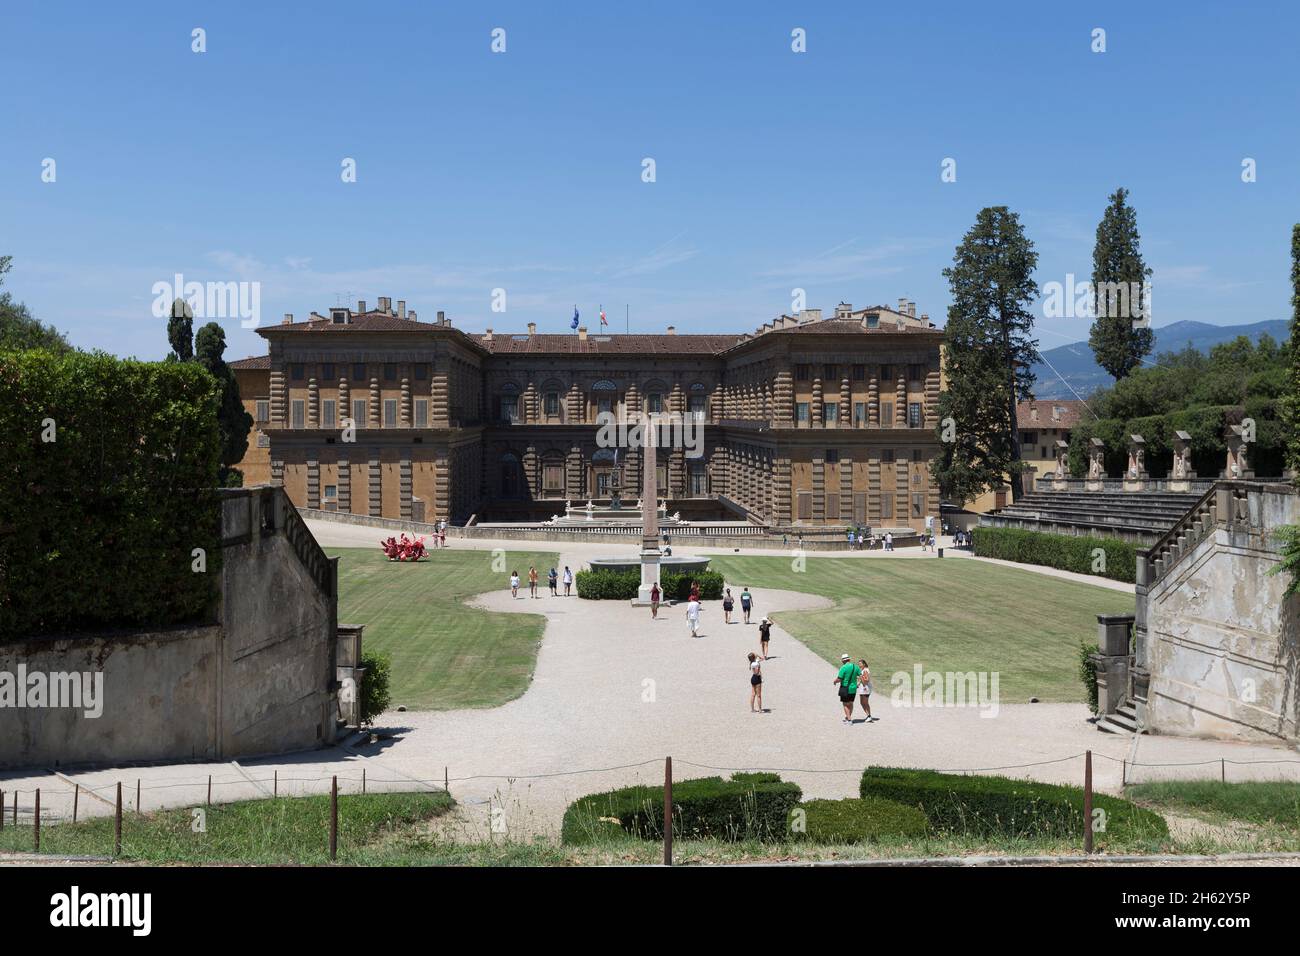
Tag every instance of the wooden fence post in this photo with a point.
(209, 789)
(36, 822)
(76, 799)
(137, 796)
(2, 809)
(117, 823)
(276, 791)
(1087, 802)
(334, 818)
(668, 811)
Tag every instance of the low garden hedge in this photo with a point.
(1064, 551)
(862, 820)
(746, 807)
(607, 585)
(980, 805)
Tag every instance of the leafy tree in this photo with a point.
(1290, 405)
(988, 356)
(180, 331)
(1118, 344)
(19, 329)
(209, 351)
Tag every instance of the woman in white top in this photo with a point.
(864, 689)
(755, 684)
(514, 584)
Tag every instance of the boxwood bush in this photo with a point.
(978, 805)
(862, 820)
(107, 485)
(746, 807)
(1064, 551)
(606, 585)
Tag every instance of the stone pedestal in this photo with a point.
(1060, 477)
(649, 575)
(1112, 661)
(1135, 475)
(1182, 472)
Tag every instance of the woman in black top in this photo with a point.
(764, 635)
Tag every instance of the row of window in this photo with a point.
(652, 404)
(886, 456)
(858, 373)
(884, 505)
(831, 414)
(298, 372)
(329, 413)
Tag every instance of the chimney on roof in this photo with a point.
(401, 308)
(925, 318)
(384, 302)
(442, 317)
(843, 310)
(902, 306)
(361, 306)
(672, 330)
(911, 308)
(582, 333)
(532, 329)
(411, 315)
(487, 336)
(288, 319)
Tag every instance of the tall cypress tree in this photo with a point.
(1118, 278)
(1291, 399)
(180, 330)
(988, 356)
(209, 351)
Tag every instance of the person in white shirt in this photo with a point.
(514, 584)
(693, 617)
(755, 683)
(568, 580)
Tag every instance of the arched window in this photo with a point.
(508, 403)
(551, 400)
(697, 402)
(654, 397)
(605, 396)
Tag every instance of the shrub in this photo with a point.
(746, 807)
(107, 485)
(375, 695)
(606, 585)
(1088, 673)
(1000, 806)
(1064, 551)
(863, 820)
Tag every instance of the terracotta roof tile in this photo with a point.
(252, 362)
(1072, 411)
(660, 344)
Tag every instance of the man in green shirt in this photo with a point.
(847, 678)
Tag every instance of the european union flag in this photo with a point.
(575, 317)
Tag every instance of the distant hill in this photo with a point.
(1075, 364)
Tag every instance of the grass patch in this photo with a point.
(444, 655)
(1273, 802)
(285, 830)
(948, 615)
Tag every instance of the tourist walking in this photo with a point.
(532, 581)
(514, 584)
(727, 604)
(764, 635)
(654, 601)
(755, 684)
(746, 603)
(889, 541)
(568, 580)
(693, 617)
(864, 688)
(553, 579)
(847, 679)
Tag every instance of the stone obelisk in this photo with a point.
(649, 514)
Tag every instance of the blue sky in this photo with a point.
(521, 170)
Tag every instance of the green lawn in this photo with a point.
(286, 830)
(445, 655)
(947, 615)
(1256, 802)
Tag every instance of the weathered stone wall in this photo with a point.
(1222, 644)
(261, 679)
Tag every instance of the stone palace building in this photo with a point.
(807, 421)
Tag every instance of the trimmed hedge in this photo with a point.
(746, 807)
(1064, 551)
(607, 585)
(862, 820)
(98, 526)
(977, 805)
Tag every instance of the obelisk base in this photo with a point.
(649, 577)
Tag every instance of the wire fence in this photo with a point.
(37, 807)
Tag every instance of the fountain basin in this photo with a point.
(682, 564)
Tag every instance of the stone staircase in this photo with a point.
(1139, 516)
(1123, 721)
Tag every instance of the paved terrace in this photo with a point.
(614, 692)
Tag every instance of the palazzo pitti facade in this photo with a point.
(806, 422)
